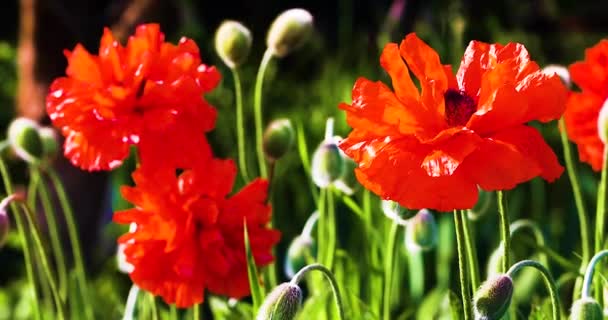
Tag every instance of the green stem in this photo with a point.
(388, 270)
(153, 307)
(505, 234)
(332, 229)
(560, 260)
(240, 125)
(172, 312)
(462, 265)
(49, 214)
(131, 303)
(257, 108)
(588, 281)
(196, 312)
(303, 153)
(523, 224)
(332, 281)
(578, 200)
(600, 219)
(322, 226)
(548, 281)
(471, 252)
(74, 241)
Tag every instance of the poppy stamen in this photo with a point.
(458, 107)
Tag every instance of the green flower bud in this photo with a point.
(394, 211)
(233, 43)
(282, 303)
(278, 138)
(302, 249)
(289, 31)
(602, 123)
(421, 231)
(560, 71)
(586, 309)
(493, 298)
(5, 226)
(50, 142)
(327, 164)
(25, 139)
(348, 182)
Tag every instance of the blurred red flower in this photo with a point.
(188, 235)
(113, 100)
(583, 108)
(433, 148)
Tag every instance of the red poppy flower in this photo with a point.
(433, 148)
(188, 235)
(583, 108)
(113, 100)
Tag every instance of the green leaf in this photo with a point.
(252, 272)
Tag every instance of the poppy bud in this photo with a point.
(586, 309)
(278, 138)
(394, 211)
(560, 71)
(289, 31)
(283, 302)
(493, 298)
(25, 139)
(302, 249)
(327, 164)
(5, 226)
(348, 182)
(233, 43)
(50, 143)
(602, 123)
(421, 231)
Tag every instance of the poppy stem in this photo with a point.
(505, 234)
(602, 193)
(522, 224)
(131, 303)
(462, 265)
(257, 109)
(332, 281)
(580, 205)
(240, 125)
(172, 312)
(388, 270)
(588, 281)
(471, 251)
(554, 294)
(50, 216)
(332, 241)
(72, 226)
(303, 152)
(196, 312)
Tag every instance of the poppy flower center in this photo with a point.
(458, 107)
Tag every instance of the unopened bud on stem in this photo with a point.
(233, 43)
(279, 137)
(25, 139)
(493, 298)
(289, 31)
(283, 302)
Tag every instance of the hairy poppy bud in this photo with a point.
(560, 71)
(602, 123)
(278, 138)
(5, 226)
(50, 143)
(493, 298)
(283, 302)
(348, 182)
(233, 43)
(327, 164)
(586, 309)
(302, 249)
(421, 231)
(289, 31)
(25, 139)
(394, 211)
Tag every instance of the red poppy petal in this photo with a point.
(546, 96)
(450, 152)
(84, 67)
(581, 125)
(403, 85)
(95, 150)
(592, 74)
(511, 157)
(472, 67)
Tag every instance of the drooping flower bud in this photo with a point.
(302, 249)
(278, 138)
(348, 182)
(586, 309)
(394, 211)
(283, 302)
(5, 226)
(233, 43)
(50, 143)
(25, 139)
(602, 123)
(289, 31)
(493, 298)
(560, 71)
(421, 231)
(327, 163)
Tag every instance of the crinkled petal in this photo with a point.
(581, 125)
